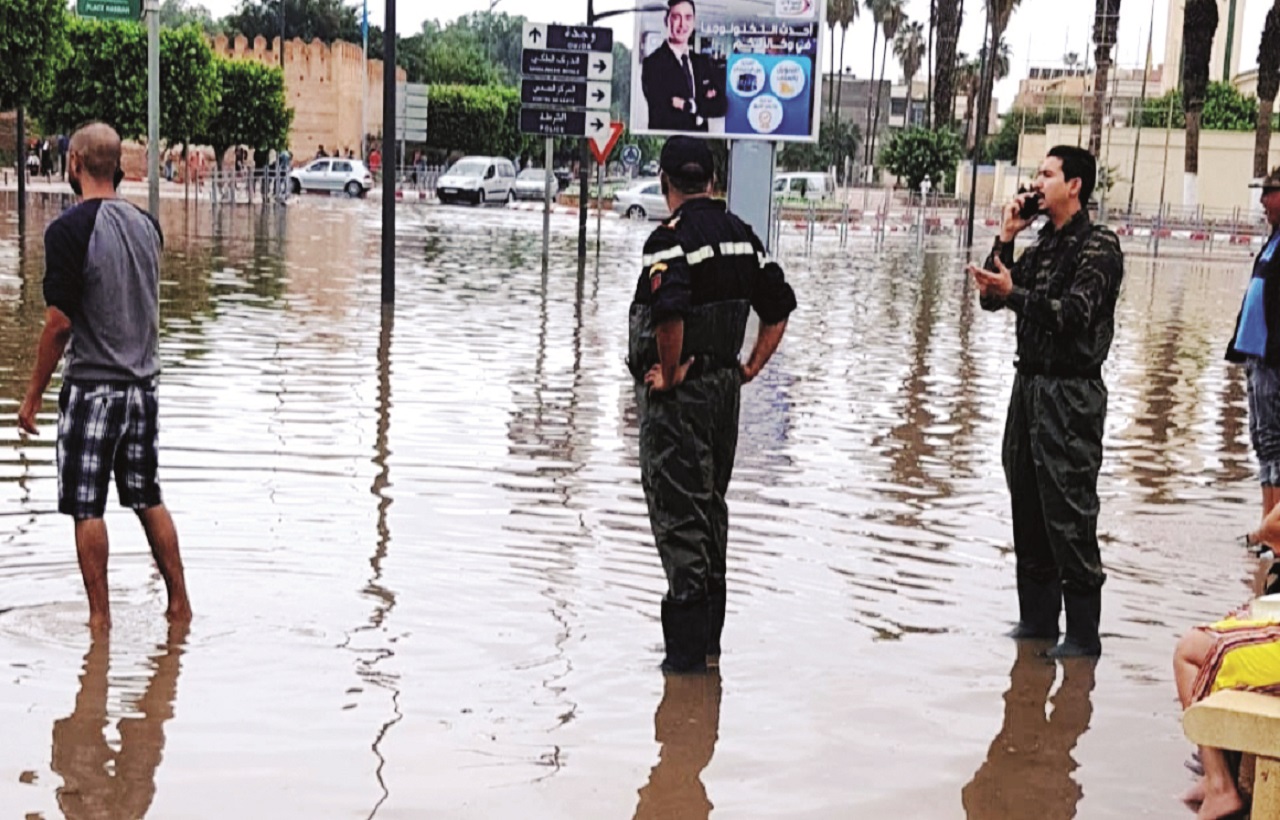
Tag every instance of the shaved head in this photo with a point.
(98, 147)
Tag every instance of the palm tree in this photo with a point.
(967, 74)
(1268, 84)
(949, 17)
(998, 14)
(848, 12)
(909, 48)
(1106, 20)
(1199, 24)
(894, 15)
(928, 66)
(833, 12)
(877, 8)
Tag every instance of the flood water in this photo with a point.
(425, 586)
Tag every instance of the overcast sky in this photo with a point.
(1039, 33)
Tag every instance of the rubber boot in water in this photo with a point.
(684, 631)
(1084, 611)
(715, 615)
(1039, 605)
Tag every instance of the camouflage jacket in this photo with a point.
(1065, 288)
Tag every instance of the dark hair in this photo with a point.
(1077, 163)
(691, 179)
(673, 3)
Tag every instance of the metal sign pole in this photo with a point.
(599, 207)
(546, 204)
(389, 150)
(153, 107)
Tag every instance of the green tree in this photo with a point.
(1224, 109)
(837, 141)
(33, 44)
(187, 68)
(179, 13)
(324, 20)
(914, 153)
(474, 119)
(252, 111)
(1200, 22)
(1268, 84)
(105, 79)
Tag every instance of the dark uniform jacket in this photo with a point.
(701, 260)
(662, 77)
(1270, 273)
(1065, 289)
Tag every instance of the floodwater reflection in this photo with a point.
(687, 725)
(102, 780)
(1030, 761)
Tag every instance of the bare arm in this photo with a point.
(767, 341)
(53, 341)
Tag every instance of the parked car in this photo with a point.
(811, 185)
(478, 180)
(531, 183)
(643, 200)
(332, 174)
(650, 168)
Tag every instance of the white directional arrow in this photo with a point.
(600, 67)
(535, 35)
(599, 95)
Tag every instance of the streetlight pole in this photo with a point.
(281, 35)
(389, 163)
(987, 59)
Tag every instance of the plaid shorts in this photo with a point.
(106, 427)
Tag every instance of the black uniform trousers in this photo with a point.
(688, 441)
(1052, 454)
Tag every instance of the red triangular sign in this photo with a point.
(602, 145)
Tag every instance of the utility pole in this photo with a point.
(987, 61)
(1142, 109)
(153, 107)
(389, 153)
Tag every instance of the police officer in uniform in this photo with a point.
(704, 270)
(1063, 291)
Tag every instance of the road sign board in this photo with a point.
(566, 93)
(566, 65)
(568, 38)
(562, 123)
(410, 134)
(110, 9)
(412, 102)
(602, 143)
(631, 155)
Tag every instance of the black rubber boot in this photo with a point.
(1084, 611)
(1039, 605)
(684, 631)
(715, 626)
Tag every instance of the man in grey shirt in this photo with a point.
(102, 288)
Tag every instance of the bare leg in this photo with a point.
(1192, 654)
(1270, 495)
(163, 537)
(91, 551)
(1220, 796)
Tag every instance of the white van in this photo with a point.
(478, 180)
(804, 185)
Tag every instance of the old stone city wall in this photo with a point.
(323, 85)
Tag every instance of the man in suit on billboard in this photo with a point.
(683, 89)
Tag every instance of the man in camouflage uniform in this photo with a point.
(704, 270)
(1064, 291)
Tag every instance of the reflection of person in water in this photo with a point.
(101, 782)
(687, 725)
(1028, 767)
(683, 89)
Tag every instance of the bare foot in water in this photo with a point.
(179, 611)
(1219, 805)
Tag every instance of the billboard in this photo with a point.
(741, 69)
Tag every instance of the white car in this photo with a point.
(643, 200)
(332, 174)
(532, 184)
(804, 185)
(478, 180)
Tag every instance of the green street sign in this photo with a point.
(110, 9)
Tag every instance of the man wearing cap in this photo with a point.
(1256, 344)
(682, 88)
(1063, 291)
(703, 271)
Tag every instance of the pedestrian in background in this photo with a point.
(1063, 291)
(703, 271)
(102, 288)
(1256, 345)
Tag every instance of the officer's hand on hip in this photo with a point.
(658, 384)
(748, 372)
